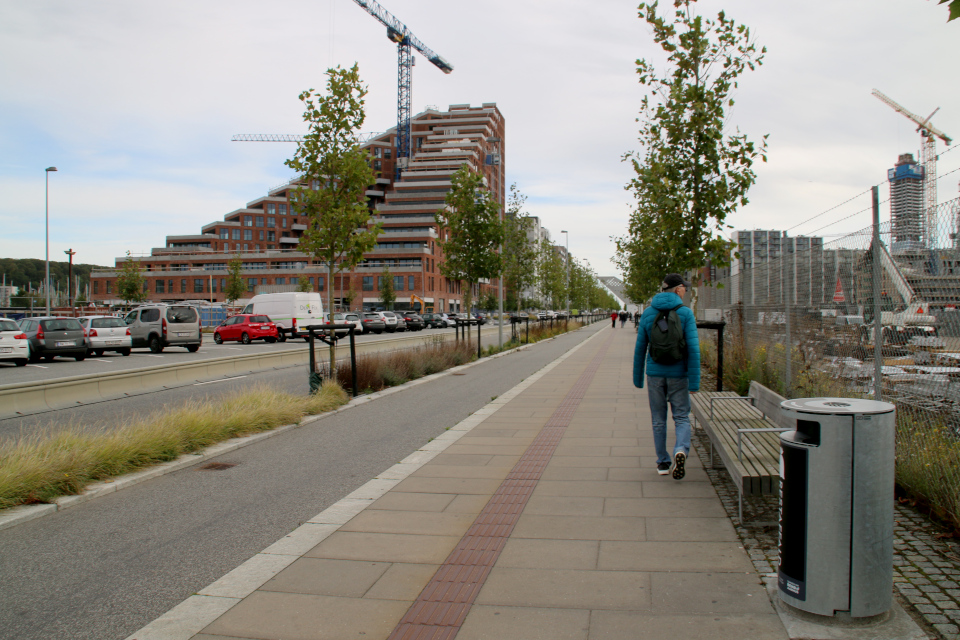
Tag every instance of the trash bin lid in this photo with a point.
(836, 406)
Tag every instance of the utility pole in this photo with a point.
(70, 253)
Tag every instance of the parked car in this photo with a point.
(373, 323)
(246, 327)
(355, 320)
(449, 319)
(466, 318)
(13, 343)
(414, 321)
(433, 321)
(289, 310)
(389, 321)
(106, 333)
(51, 336)
(161, 325)
(401, 321)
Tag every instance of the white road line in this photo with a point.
(197, 384)
(145, 355)
(38, 366)
(98, 360)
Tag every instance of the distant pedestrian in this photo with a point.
(669, 349)
(623, 317)
(613, 317)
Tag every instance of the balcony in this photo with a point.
(298, 227)
(289, 241)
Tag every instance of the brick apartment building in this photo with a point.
(266, 233)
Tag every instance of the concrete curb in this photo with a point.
(192, 615)
(18, 515)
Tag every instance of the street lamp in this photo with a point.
(568, 271)
(46, 284)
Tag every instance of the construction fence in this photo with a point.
(803, 322)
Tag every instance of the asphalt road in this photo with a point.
(105, 568)
(111, 414)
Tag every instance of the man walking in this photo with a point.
(623, 317)
(669, 349)
(613, 317)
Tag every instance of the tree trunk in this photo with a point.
(333, 343)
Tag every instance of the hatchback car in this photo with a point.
(246, 327)
(373, 323)
(401, 321)
(337, 318)
(13, 343)
(106, 333)
(433, 321)
(51, 336)
(355, 320)
(389, 321)
(413, 320)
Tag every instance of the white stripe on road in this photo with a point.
(145, 355)
(38, 366)
(197, 384)
(98, 360)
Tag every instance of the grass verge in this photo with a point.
(41, 469)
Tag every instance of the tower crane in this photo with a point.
(928, 157)
(406, 42)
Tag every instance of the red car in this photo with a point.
(246, 327)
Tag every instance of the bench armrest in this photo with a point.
(749, 399)
(740, 433)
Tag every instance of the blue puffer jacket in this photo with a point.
(689, 370)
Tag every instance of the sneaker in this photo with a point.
(663, 468)
(679, 459)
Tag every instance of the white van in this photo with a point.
(290, 311)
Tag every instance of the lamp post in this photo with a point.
(567, 260)
(70, 253)
(46, 284)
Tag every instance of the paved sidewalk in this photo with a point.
(541, 516)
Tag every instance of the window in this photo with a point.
(283, 209)
(248, 221)
(269, 246)
(377, 152)
(213, 284)
(260, 220)
(281, 281)
(271, 221)
(251, 283)
(160, 284)
(283, 222)
(367, 283)
(263, 281)
(183, 286)
(170, 286)
(150, 315)
(261, 235)
(224, 234)
(271, 209)
(271, 237)
(386, 152)
(319, 283)
(223, 284)
(247, 234)
(410, 282)
(379, 283)
(246, 247)
(398, 283)
(96, 286)
(377, 165)
(198, 285)
(236, 234)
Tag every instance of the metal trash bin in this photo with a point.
(836, 506)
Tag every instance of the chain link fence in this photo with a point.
(802, 315)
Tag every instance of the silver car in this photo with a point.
(13, 343)
(389, 320)
(160, 325)
(106, 333)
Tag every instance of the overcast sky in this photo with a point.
(136, 102)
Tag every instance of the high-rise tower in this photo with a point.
(906, 204)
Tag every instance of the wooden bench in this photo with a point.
(745, 432)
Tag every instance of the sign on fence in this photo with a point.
(838, 294)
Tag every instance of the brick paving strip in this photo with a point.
(440, 609)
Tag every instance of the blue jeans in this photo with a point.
(660, 391)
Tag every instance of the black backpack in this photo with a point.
(667, 342)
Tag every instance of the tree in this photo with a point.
(349, 295)
(691, 173)
(303, 284)
(519, 250)
(470, 232)
(551, 276)
(489, 301)
(388, 294)
(236, 287)
(131, 282)
(336, 173)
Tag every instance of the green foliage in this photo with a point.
(337, 174)
(551, 276)
(691, 174)
(519, 250)
(387, 293)
(954, 8)
(131, 281)
(26, 273)
(471, 232)
(236, 288)
(489, 301)
(303, 284)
